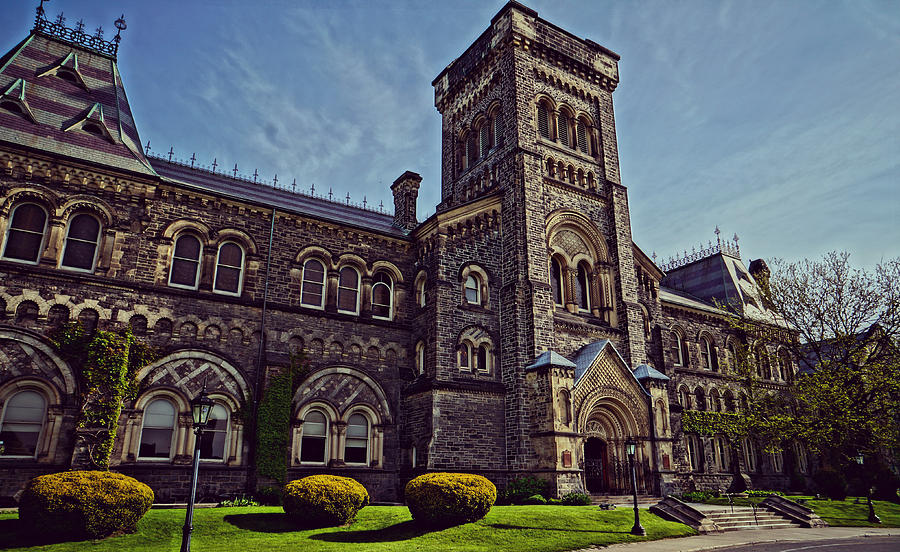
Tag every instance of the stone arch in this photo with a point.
(180, 225)
(239, 236)
(31, 193)
(188, 369)
(346, 388)
(92, 204)
(25, 354)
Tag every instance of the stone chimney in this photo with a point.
(406, 190)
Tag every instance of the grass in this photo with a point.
(837, 513)
(378, 528)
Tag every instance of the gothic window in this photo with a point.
(581, 133)
(732, 354)
(583, 287)
(473, 290)
(562, 129)
(185, 270)
(21, 423)
(485, 138)
(348, 291)
(700, 398)
(313, 444)
(556, 281)
(715, 404)
(213, 442)
(684, 397)
(802, 458)
(497, 127)
(463, 355)
(723, 456)
(421, 297)
(728, 399)
(483, 358)
(750, 459)
(420, 358)
(763, 369)
(382, 296)
(312, 290)
(356, 448)
(785, 371)
(645, 319)
(543, 118)
(229, 269)
(661, 418)
(695, 452)
(26, 233)
(158, 431)
(680, 350)
(706, 354)
(472, 149)
(82, 237)
(564, 407)
(777, 460)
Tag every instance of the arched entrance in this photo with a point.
(596, 465)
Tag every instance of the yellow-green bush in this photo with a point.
(84, 503)
(324, 500)
(449, 498)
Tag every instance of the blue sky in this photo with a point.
(778, 121)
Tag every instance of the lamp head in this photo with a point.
(630, 446)
(201, 407)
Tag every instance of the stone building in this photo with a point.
(517, 331)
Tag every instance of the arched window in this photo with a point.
(583, 287)
(700, 398)
(728, 399)
(562, 129)
(777, 460)
(483, 358)
(80, 250)
(229, 269)
(421, 297)
(715, 403)
(464, 355)
(695, 452)
(556, 281)
(543, 120)
(581, 134)
(705, 354)
(382, 296)
(158, 431)
(213, 442)
(680, 350)
(25, 236)
(420, 358)
(802, 458)
(312, 288)
(348, 291)
(313, 445)
(684, 398)
(21, 423)
(497, 127)
(749, 455)
(723, 456)
(732, 357)
(472, 148)
(473, 290)
(356, 449)
(185, 271)
(485, 137)
(762, 363)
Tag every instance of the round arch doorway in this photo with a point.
(596, 465)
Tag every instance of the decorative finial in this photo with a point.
(61, 19)
(312, 189)
(99, 32)
(79, 27)
(147, 148)
(255, 175)
(736, 238)
(193, 159)
(381, 206)
(275, 181)
(654, 256)
(364, 202)
(330, 195)
(234, 171)
(294, 186)
(215, 163)
(171, 153)
(348, 198)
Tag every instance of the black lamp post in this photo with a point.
(630, 446)
(201, 407)
(872, 517)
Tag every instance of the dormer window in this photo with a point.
(93, 128)
(12, 107)
(67, 75)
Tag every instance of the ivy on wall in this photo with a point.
(107, 363)
(274, 419)
(731, 425)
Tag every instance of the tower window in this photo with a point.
(382, 295)
(229, 269)
(583, 288)
(473, 290)
(543, 117)
(81, 243)
(562, 129)
(556, 282)
(348, 291)
(582, 135)
(185, 270)
(312, 289)
(26, 233)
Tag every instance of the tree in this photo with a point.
(841, 325)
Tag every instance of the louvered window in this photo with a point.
(472, 149)
(485, 135)
(562, 129)
(543, 121)
(498, 131)
(582, 137)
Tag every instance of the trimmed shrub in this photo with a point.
(696, 496)
(92, 504)
(576, 499)
(523, 487)
(763, 493)
(535, 499)
(449, 498)
(268, 496)
(324, 500)
(831, 483)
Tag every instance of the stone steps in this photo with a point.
(644, 501)
(740, 520)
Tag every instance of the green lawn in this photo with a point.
(837, 513)
(378, 528)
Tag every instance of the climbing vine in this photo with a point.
(107, 363)
(274, 418)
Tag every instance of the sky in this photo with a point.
(776, 121)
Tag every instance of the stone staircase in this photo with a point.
(622, 501)
(745, 518)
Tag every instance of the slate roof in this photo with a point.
(550, 358)
(645, 371)
(719, 278)
(589, 353)
(247, 190)
(58, 104)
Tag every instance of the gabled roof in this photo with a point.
(588, 354)
(550, 358)
(645, 371)
(64, 85)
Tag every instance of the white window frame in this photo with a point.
(225, 448)
(420, 358)
(240, 287)
(588, 284)
(40, 436)
(390, 287)
(340, 287)
(9, 229)
(323, 283)
(369, 430)
(96, 244)
(327, 448)
(199, 261)
(679, 344)
(420, 290)
(474, 278)
(468, 348)
(172, 442)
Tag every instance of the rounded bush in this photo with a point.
(324, 500)
(449, 498)
(576, 499)
(91, 504)
(535, 500)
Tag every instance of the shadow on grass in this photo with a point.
(271, 522)
(545, 528)
(398, 532)
(16, 534)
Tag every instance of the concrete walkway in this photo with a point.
(752, 536)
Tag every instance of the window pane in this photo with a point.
(29, 217)
(313, 271)
(313, 283)
(355, 452)
(582, 137)
(472, 295)
(212, 445)
(463, 352)
(231, 255)
(381, 300)
(358, 426)
(556, 281)
(84, 227)
(187, 247)
(155, 443)
(543, 121)
(20, 439)
(26, 406)
(184, 273)
(312, 449)
(347, 299)
(562, 129)
(312, 294)
(79, 254)
(228, 279)
(482, 358)
(24, 246)
(582, 290)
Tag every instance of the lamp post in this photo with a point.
(637, 529)
(201, 407)
(872, 517)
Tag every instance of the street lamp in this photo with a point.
(637, 529)
(201, 407)
(872, 517)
